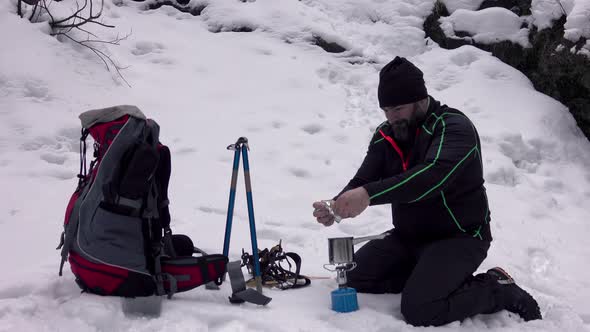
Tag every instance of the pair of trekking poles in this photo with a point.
(240, 292)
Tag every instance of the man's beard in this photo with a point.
(401, 130)
(405, 129)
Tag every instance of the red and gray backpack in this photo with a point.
(117, 235)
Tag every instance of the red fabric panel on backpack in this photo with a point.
(212, 269)
(70, 207)
(105, 133)
(97, 276)
(196, 278)
(220, 267)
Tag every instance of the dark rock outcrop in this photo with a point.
(519, 7)
(181, 5)
(329, 47)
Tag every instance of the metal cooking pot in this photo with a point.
(341, 249)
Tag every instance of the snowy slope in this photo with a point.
(308, 115)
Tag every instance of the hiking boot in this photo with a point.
(515, 299)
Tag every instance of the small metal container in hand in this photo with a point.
(328, 204)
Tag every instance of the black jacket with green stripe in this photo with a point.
(442, 193)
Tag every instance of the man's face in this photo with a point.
(402, 119)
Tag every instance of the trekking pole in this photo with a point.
(240, 292)
(232, 196)
(257, 276)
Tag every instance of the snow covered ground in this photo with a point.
(308, 115)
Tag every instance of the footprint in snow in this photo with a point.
(487, 139)
(253, 129)
(36, 144)
(496, 74)
(67, 140)
(71, 135)
(295, 239)
(16, 291)
(163, 61)
(56, 151)
(274, 223)
(262, 51)
(277, 124)
(312, 224)
(465, 57)
(184, 151)
(554, 185)
(503, 176)
(53, 158)
(471, 106)
(269, 234)
(341, 139)
(60, 174)
(113, 14)
(225, 158)
(447, 78)
(212, 210)
(36, 90)
(299, 172)
(312, 129)
(147, 47)
(524, 155)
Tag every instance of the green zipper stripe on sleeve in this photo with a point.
(438, 118)
(401, 183)
(379, 140)
(478, 233)
(451, 212)
(442, 139)
(446, 177)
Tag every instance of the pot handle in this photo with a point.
(370, 237)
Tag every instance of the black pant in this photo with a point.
(435, 279)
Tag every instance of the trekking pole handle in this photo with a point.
(242, 140)
(238, 144)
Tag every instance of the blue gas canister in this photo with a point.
(344, 299)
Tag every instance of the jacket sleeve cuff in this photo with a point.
(373, 188)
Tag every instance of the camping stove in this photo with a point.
(344, 299)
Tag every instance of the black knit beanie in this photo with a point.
(400, 82)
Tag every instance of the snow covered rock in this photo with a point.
(550, 45)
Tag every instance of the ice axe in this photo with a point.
(240, 292)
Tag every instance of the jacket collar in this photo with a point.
(433, 107)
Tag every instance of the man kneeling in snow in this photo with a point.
(425, 161)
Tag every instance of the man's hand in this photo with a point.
(352, 203)
(322, 213)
